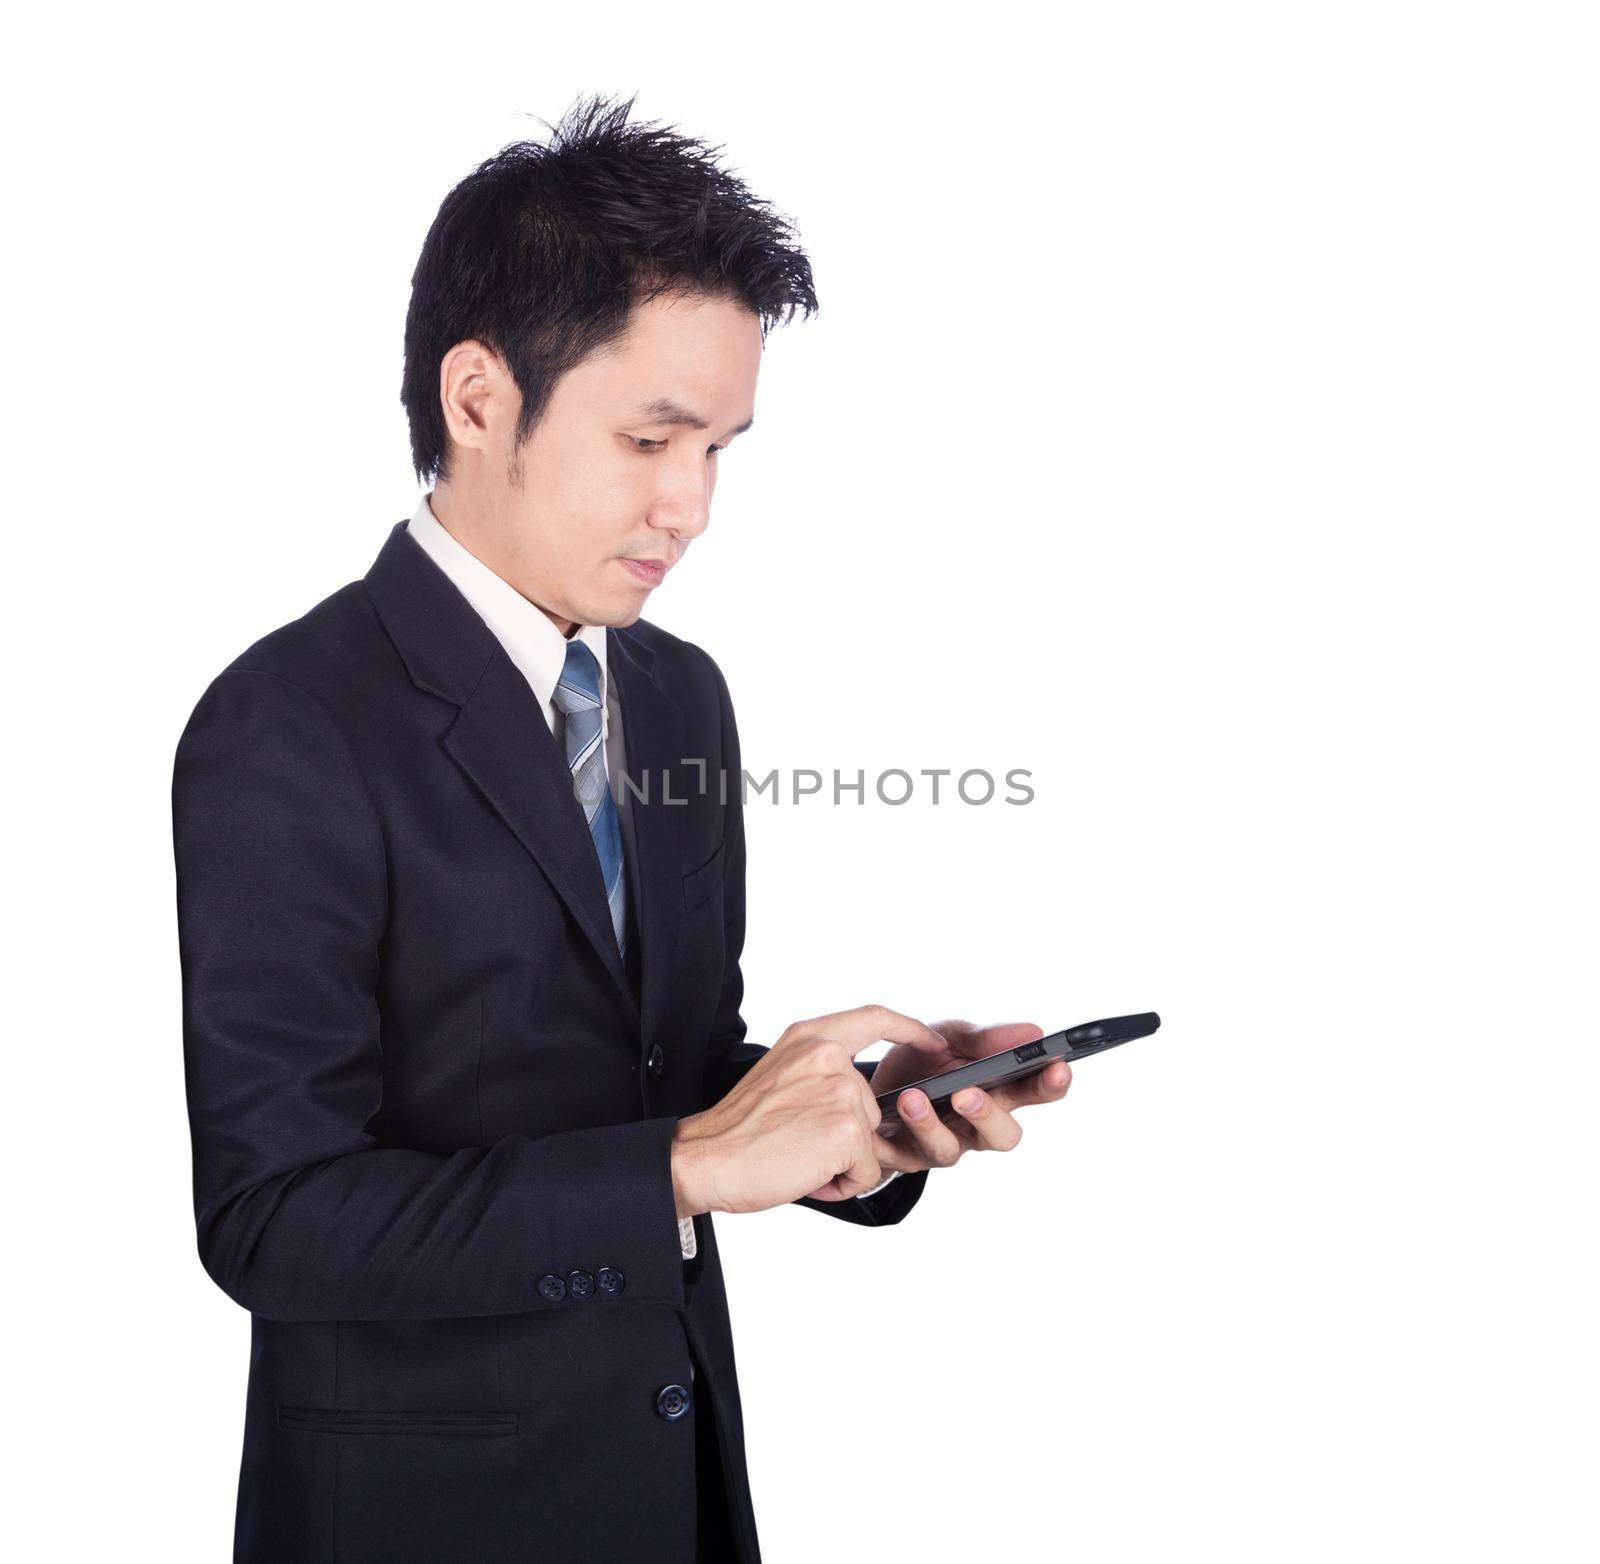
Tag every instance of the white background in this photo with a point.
(1201, 414)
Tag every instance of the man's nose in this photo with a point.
(688, 517)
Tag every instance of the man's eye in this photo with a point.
(656, 445)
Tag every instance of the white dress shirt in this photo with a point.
(539, 651)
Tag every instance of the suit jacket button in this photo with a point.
(609, 1280)
(658, 1060)
(673, 1402)
(580, 1284)
(552, 1288)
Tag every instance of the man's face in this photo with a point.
(608, 483)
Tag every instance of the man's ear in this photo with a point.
(477, 394)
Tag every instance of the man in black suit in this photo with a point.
(460, 869)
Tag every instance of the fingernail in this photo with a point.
(968, 1102)
(916, 1107)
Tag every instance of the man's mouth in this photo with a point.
(648, 571)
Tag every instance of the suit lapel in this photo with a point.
(653, 734)
(500, 739)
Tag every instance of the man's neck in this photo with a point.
(455, 514)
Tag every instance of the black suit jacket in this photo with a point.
(431, 1123)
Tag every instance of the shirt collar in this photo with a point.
(527, 633)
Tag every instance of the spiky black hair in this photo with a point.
(543, 251)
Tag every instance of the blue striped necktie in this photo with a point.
(577, 693)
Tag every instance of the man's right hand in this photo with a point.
(802, 1121)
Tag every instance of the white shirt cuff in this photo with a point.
(686, 1239)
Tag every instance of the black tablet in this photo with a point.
(1011, 1064)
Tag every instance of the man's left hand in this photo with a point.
(984, 1118)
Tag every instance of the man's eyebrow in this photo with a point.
(663, 410)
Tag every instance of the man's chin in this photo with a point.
(618, 616)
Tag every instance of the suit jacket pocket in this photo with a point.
(698, 883)
(355, 1420)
